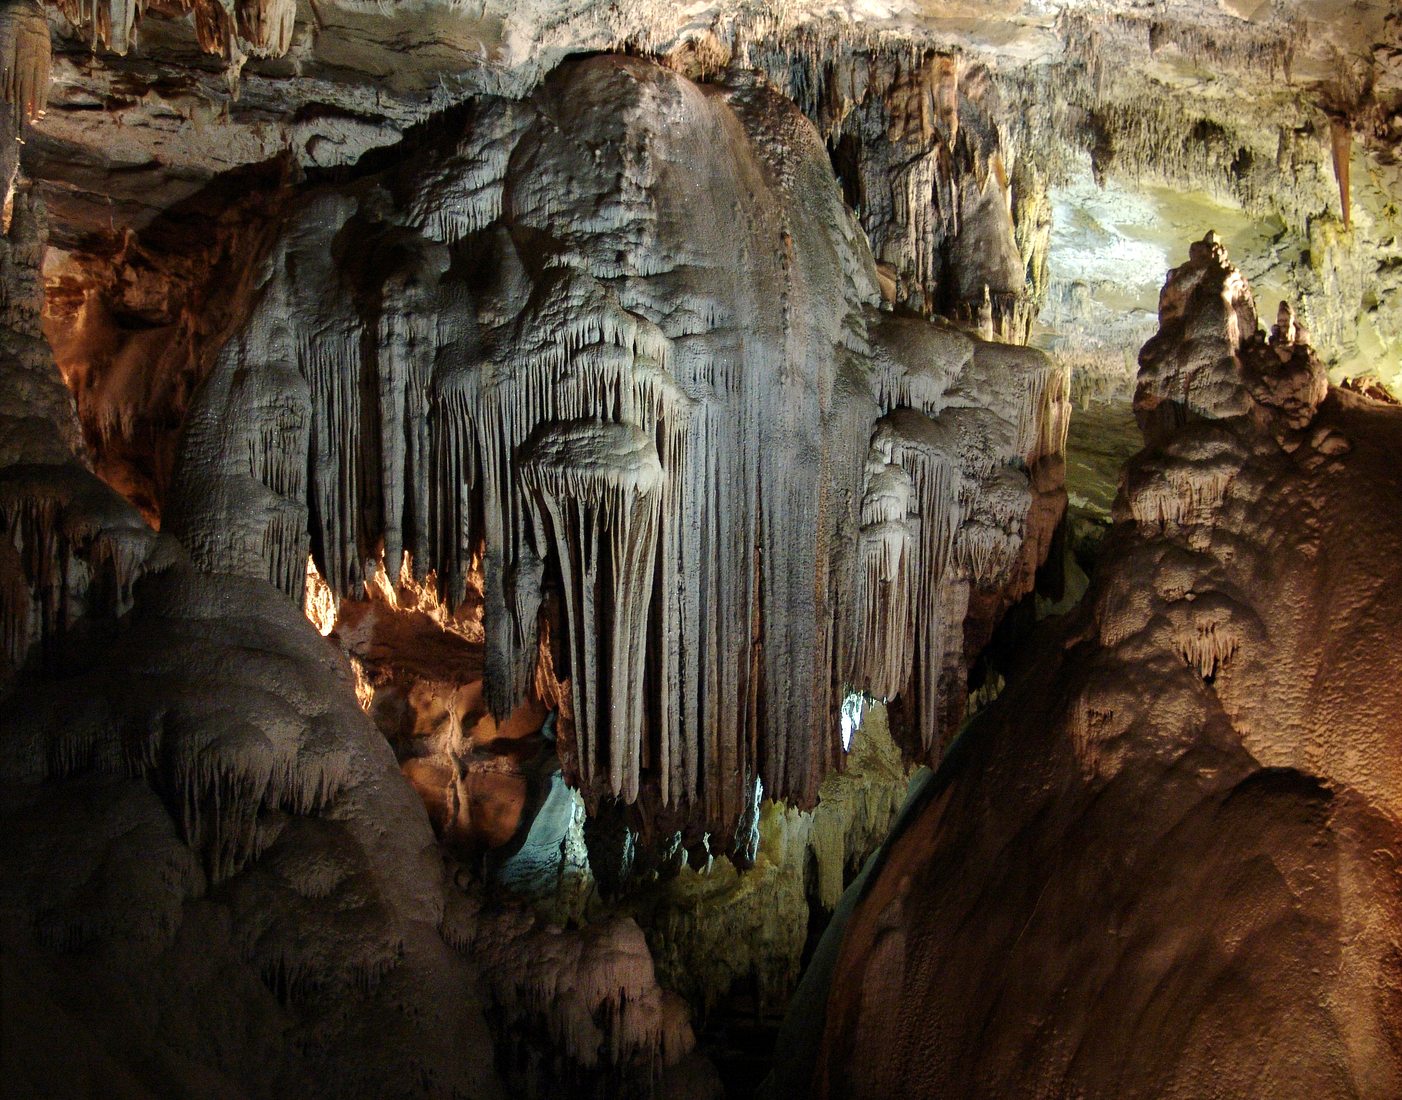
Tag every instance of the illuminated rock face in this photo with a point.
(262, 28)
(651, 403)
(914, 139)
(608, 350)
(652, 391)
(1164, 863)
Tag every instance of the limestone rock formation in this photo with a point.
(500, 502)
(698, 480)
(542, 353)
(1163, 862)
(914, 142)
(215, 877)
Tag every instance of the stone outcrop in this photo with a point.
(633, 396)
(1162, 863)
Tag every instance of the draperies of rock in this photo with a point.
(213, 872)
(921, 160)
(70, 547)
(24, 58)
(599, 489)
(642, 381)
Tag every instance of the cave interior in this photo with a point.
(836, 548)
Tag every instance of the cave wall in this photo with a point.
(1161, 864)
(660, 398)
(611, 340)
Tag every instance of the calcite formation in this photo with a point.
(1204, 98)
(211, 850)
(74, 548)
(24, 59)
(499, 501)
(233, 28)
(1162, 863)
(661, 427)
(594, 992)
(914, 142)
(542, 353)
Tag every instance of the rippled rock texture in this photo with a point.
(1164, 862)
(614, 360)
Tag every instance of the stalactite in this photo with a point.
(991, 536)
(266, 25)
(1187, 486)
(887, 583)
(229, 28)
(110, 23)
(459, 192)
(405, 350)
(1341, 149)
(928, 454)
(215, 28)
(931, 191)
(681, 444)
(1207, 649)
(24, 58)
(78, 550)
(600, 485)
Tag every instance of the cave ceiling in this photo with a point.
(135, 128)
(1127, 127)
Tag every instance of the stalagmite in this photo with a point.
(500, 503)
(1210, 297)
(1286, 330)
(1229, 673)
